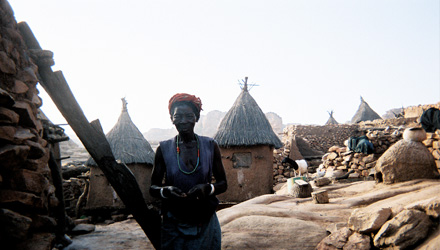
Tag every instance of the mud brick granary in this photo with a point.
(129, 147)
(246, 141)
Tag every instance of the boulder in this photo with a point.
(279, 233)
(335, 240)
(83, 229)
(358, 241)
(430, 206)
(406, 160)
(367, 221)
(403, 231)
(344, 238)
(432, 242)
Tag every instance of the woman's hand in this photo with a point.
(171, 192)
(200, 191)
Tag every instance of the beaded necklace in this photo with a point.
(178, 155)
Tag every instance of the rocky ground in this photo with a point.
(122, 235)
(279, 221)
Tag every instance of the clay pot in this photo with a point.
(414, 134)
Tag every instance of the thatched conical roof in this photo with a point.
(127, 142)
(364, 113)
(331, 120)
(246, 125)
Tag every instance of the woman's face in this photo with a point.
(184, 118)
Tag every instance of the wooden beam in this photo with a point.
(93, 139)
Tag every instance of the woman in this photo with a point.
(182, 178)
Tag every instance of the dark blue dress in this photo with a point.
(189, 224)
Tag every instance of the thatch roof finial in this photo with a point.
(245, 88)
(124, 104)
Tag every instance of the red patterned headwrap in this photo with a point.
(183, 97)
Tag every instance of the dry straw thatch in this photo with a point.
(127, 142)
(246, 125)
(331, 120)
(364, 113)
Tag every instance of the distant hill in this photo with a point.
(208, 124)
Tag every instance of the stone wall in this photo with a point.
(340, 160)
(432, 142)
(417, 111)
(319, 138)
(27, 196)
(330, 140)
(322, 137)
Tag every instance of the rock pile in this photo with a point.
(358, 215)
(308, 142)
(27, 195)
(341, 159)
(281, 173)
(387, 226)
(432, 142)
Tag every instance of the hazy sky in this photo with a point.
(307, 57)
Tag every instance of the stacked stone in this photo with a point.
(281, 173)
(432, 142)
(319, 138)
(322, 137)
(26, 193)
(417, 111)
(340, 158)
(382, 140)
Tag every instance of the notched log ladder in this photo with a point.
(93, 139)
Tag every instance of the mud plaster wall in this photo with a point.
(27, 197)
(247, 182)
(102, 195)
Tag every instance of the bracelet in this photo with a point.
(212, 190)
(161, 193)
